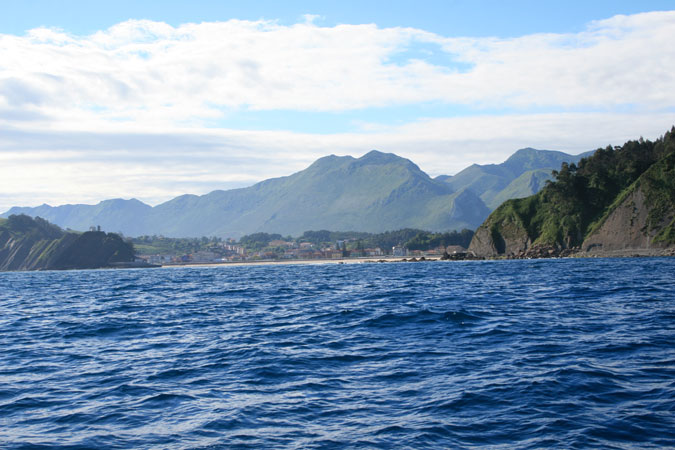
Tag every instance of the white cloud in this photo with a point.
(122, 112)
(159, 74)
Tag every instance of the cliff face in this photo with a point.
(506, 237)
(643, 217)
(625, 227)
(618, 200)
(35, 244)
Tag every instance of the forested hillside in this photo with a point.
(35, 244)
(583, 198)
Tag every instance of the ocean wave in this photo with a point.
(507, 354)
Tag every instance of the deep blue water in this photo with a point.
(508, 354)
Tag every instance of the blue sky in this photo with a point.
(153, 99)
(449, 17)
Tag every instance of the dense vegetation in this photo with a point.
(426, 240)
(410, 238)
(360, 240)
(155, 245)
(522, 175)
(659, 182)
(576, 203)
(35, 244)
(258, 241)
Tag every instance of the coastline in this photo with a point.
(539, 251)
(623, 253)
(629, 253)
(277, 262)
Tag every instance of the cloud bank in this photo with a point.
(142, 109)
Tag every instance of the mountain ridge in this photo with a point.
(376, 192)
(488, 181)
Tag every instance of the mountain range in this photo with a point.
(522, 175)
(373, 193)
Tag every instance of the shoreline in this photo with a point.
(552, 252)
(624, 253)
(627, 253)
(276, 262)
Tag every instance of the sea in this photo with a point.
(528, 354)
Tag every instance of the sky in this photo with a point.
(150, 100)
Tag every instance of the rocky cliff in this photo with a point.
(504, 237)
(620, 201)
(643, 217)
(35, 244)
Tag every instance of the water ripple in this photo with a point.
(501, 354)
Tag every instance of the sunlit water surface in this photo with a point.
(510, 354)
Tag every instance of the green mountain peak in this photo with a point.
(375, 192)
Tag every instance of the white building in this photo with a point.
(399, 251)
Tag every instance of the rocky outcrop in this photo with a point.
(35, 244)
(482, 243)
(618, 202)
(638, 224)
(642, 219)
(505, 237)
(538, 251)
(626, 229)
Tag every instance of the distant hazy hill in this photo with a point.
(374, 193)
(522, 175)
(35, 244)
(114, 215)
(618, 199)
